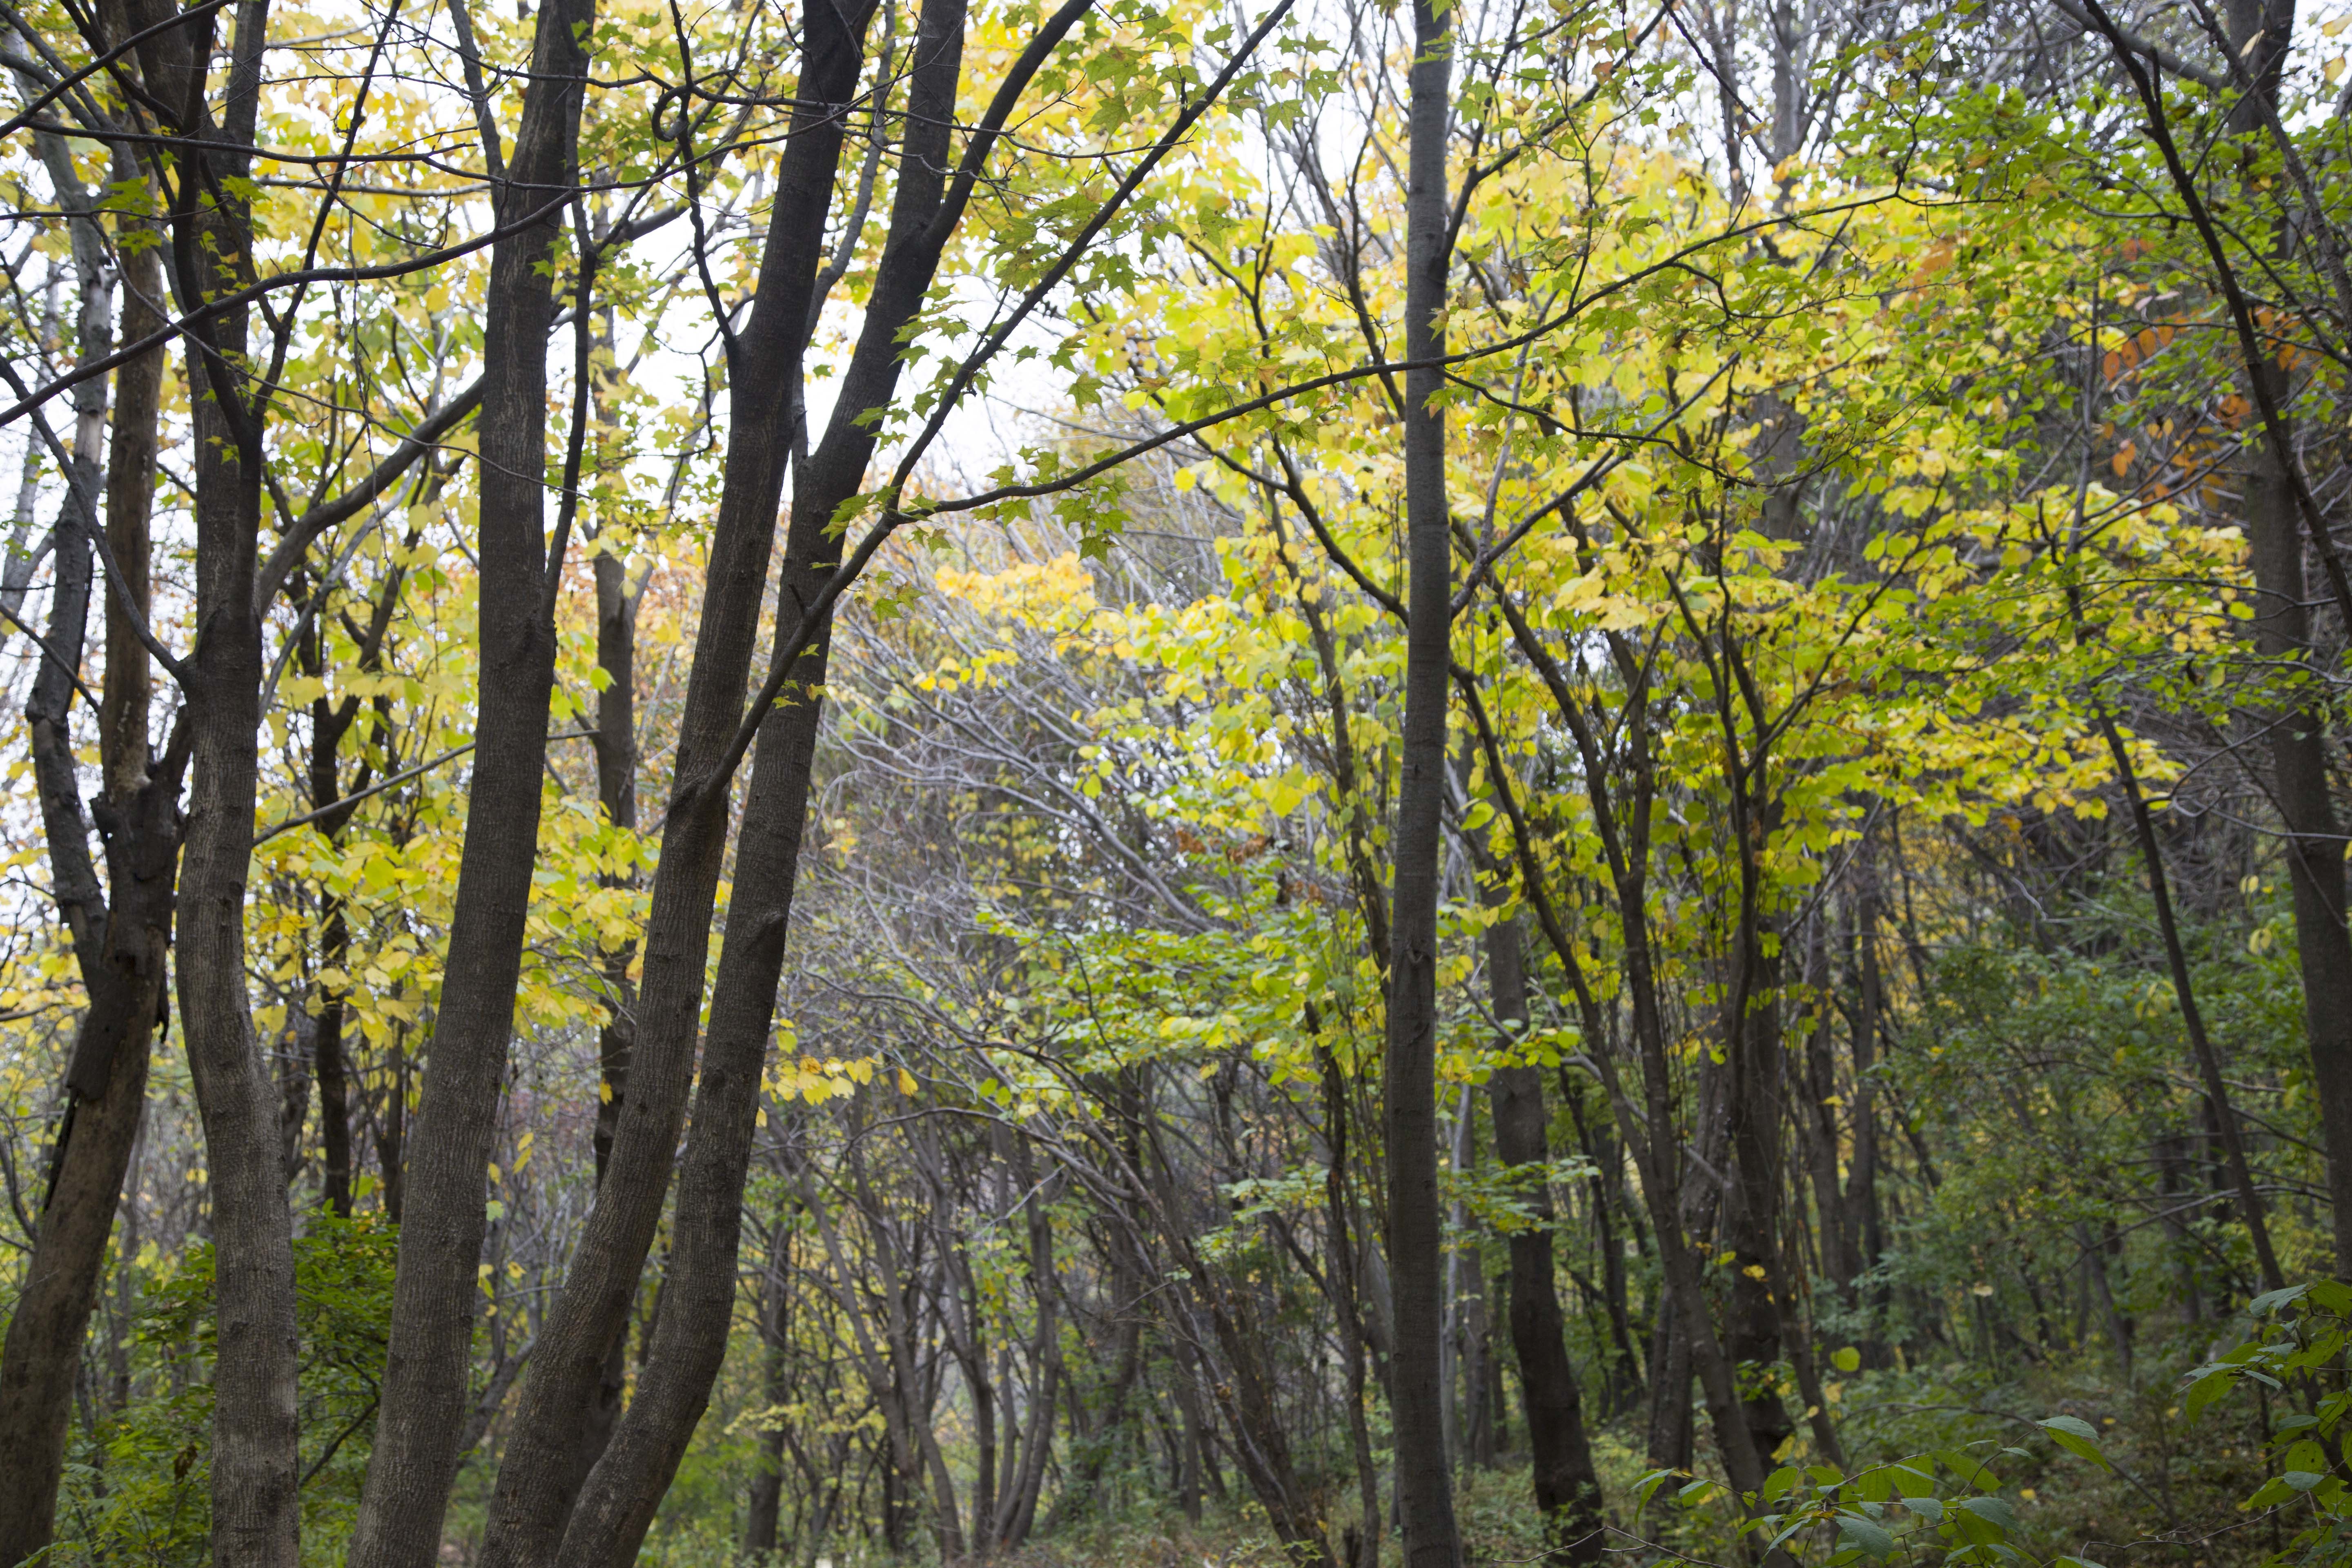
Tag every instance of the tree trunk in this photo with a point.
(1424, 1483)
(2298, 747)
(120, 950)
(1752, 1205)
(763, 1517)
(538, 1477)
(334, 1085)
(255, 1516)
(1607, 1186)
(629, 1483)
(1861, 1174)
(1567, 1487)
(1669, 1434)
(1339, 1225)
(2192, 1018)
(435, 1290)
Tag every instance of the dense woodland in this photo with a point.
(1297, 783)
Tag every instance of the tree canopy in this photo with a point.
(1302, 784)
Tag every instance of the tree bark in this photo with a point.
(2192, 1017)
(1754, 1329)
(122, 969)
(2299, 733)
(1424, 1483)
(106, 1076)
(1861, 1174)
(1567, 1487)
(256, 1515)
(538, 1478)
(1339, 1224)
(434, 1290)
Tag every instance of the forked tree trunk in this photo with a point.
(539, 1477)
(256, 1515)
(119, 949)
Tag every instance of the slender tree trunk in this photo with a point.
(435, 1292)
(616, 792)
(1017, 1515)
(255, 1516)
(2192, 1018)
(125, 699)
(1567, 1487)
(629, 1483)
(1754, 1329)
(1817, 1121)
(334, 1085)
(2298, 746)
(538, 1479)
(1862, 1175)
(763, 1516)
(119, 950)
(1340, 1227)
(1608, 1196)
(1424, 1482)
(105, 1090)
(1669, 1433)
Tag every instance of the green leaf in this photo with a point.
(1846, 1359)
(2270, 1302)
(1972, 1470)
(1872, 1540)
(1992, 1511)
(2206, 1384)
(2077, 1436)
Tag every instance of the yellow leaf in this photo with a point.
(905, 1082)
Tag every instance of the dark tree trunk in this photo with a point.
(2298, 748)
(334, 1084)
(2192, 1018)
(434, 1293)
(106, 1076)
(1669, 1436)
(1339, 1224)
(1567, 1487)
(616, 792)
(539, 1477)
(1416, 1262)
(1752, 1205)
(1862, 1175)
(119, 951)
(765, 1516)
(255, 1516)
(1608, 1199)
